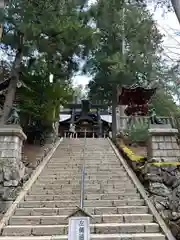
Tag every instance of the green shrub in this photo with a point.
(138, 133)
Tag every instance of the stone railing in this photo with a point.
(127, 122)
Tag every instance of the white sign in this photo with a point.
(79, 228)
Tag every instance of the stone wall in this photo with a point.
(12, 169)
(161, 174)
(163, 186)
(15, 170)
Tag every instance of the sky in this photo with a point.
(169, 27)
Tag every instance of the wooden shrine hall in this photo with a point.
(89, 120)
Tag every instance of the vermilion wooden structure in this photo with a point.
(136, 99)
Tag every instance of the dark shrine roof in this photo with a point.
(136, 95)
(85, 118)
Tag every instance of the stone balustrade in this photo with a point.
(162, 143)
(11, 167)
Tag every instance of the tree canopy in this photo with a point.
(107, 61)
(164, 104)
(41, 38)
(119, 42)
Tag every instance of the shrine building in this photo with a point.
(90, 120)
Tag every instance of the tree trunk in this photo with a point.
(176, 6)
(10, 96)
(114, 123)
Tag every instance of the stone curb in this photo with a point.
(141, 190)
(27, 186)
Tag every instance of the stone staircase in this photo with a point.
(111, 198)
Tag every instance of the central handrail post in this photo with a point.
(83, 177)
(85, 133)
(82, 188)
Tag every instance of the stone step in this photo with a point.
(60, 171)
(88, 165)
(96, 162)
(110, 173)
(88, 188)
(88, 169)
(69, 180)
(105, 169)
(98, 203)
(60, 175)
(116, 196)
(41, 182)
(51, 197)
(104, 228)
(89, 177)
(111, 198)
(87, 185)
(58, 220)
(76, 191)
(134, 236)
(61, 178)
(88, 182)
(73, 182)
(90, 210)
(107, 177)
(51, 174)
(70, 175)
(75, 174)
(58, 180)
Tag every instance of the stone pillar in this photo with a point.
(162, 143)
(118, 120)
(121, 118)
(12, 169)
(99, 124)
(72, 116)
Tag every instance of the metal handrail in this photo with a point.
(83, 177)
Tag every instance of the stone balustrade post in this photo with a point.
(12, 168)
(162, 143)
